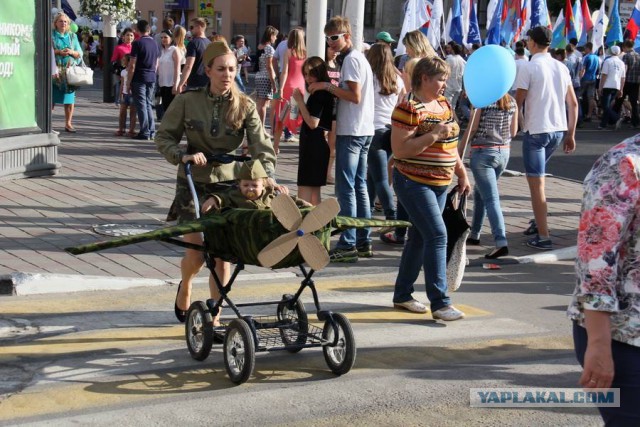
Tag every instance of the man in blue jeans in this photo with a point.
(545, 90)
(354, 131)
(141, 79)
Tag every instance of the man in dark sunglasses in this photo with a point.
(354, 131)
(193, 75)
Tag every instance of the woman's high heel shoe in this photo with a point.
(181, 315)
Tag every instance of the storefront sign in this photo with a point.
(17, 64)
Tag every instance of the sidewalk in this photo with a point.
(114, 180)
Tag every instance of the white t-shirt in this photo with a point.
(166, 67)
(546, 81)
(279, 55)
(384, 104)
(519, 63)
(615, 70)
(456, 64)
(356, 119)
(123, 74)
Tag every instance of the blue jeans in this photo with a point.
(626, 377)
(378, 177)
(143, 96)
(537, 150)
(426, 247)
(487, 164)
(609, 116)
(351, 186)
(239, 81)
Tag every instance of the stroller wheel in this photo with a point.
(239, 351)
(294, 325)
(340, 357)
(199, 330)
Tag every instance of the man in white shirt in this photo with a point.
(544, 87)
(354, 131)
(454, 82)
(612, 78)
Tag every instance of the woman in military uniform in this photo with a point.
(216, 119)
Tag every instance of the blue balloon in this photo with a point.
(489, 74)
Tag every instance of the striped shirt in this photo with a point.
(435, 164)
(494, 127)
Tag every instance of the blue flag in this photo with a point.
(456, 22)
(493, 32)
(614, 29)
(539, 14)
(474, 28)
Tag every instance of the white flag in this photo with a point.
(599, 28)
(435, 26)
(465, 8)
(416, 15)
(490, 10)
(447, 27)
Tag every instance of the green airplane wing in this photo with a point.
(161, 234)
(345, 222)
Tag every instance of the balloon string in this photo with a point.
(467, 135)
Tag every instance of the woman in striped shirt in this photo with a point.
(424, 140)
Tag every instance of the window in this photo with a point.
(370, 13)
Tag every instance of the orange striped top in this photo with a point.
(435, 165)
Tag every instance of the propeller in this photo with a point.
(300, 232)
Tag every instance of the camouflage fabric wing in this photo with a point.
(342, 223)
(164, 233)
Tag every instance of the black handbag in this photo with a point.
(455, 219)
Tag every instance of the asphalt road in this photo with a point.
(591, 143)
(119, 358)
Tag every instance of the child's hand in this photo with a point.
(211, 202)
(298, 96)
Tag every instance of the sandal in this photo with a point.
(119, 133)
(131, 134)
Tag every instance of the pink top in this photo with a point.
(120, 51)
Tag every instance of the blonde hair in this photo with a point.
(239, 103)
(57, 17)
(409, 66)
(201, 22)
(179, 34)
(295, 42)
(419, 43)
(505, 102)
(428, 67)
(338, 24)
(218, 38)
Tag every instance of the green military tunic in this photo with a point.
(201, 116)
(234, 198)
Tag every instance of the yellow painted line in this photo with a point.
(92, 341)
(389, 314)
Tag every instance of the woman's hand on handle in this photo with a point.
(198, 159)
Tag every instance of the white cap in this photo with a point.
(615, 50)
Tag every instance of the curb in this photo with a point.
(563, 254)
(21, 284)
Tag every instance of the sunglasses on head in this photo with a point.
(334, 37)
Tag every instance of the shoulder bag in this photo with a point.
(455, 220)
(79, 74)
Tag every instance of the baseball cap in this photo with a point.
(615, 50)
(385, 37)
(540, 35)
(215, 49)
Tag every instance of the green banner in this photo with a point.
(17, 64)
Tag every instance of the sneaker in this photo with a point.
(619, 123)
(542, 244)
(343, 255)
(413, 306)
(532, 229)
(473, 242)
(365, 250)
(391, 239)
(447, 313)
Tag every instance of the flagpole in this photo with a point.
(462, 147)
